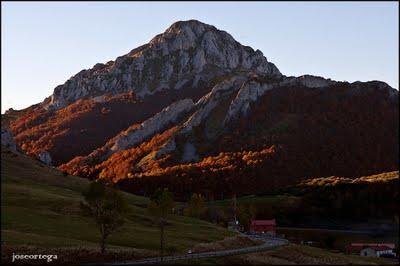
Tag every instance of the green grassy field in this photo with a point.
(40, 207)
(40, 212)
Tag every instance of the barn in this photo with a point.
(263, 226)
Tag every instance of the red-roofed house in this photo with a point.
(371, 249)
(263, 226)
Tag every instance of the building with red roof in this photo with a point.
(263, 226)
(371, 249)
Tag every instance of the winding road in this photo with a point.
(269, 243)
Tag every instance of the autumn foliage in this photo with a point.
(291, 133)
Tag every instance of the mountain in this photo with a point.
(188, 55)
(195, 110)
(186, 61)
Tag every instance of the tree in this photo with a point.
(197, 205)
(246, 213)
(108, 208)
(217, 214)
(160, 206)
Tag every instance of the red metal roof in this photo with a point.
(390, 245)
(263, 222)
(374, 246)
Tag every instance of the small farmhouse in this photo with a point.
(371, 249)
(263, 226)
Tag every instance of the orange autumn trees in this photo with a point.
(79, 128)
(222, 174)
(120, 164)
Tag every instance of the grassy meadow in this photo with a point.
(40, 207)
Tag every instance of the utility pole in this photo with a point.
(234, 208)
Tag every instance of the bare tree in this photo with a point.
(160, 206)
(108, 208)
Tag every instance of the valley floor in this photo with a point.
(40, 215)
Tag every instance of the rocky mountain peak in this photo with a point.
(189, 54)
(189, 26)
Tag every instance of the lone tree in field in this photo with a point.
(108, 208)
(197, 206)
(160, 206)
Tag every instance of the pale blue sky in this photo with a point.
(44, 44)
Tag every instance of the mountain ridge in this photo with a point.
(195, 102)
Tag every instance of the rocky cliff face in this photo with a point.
(7, 139)
(152, 126)
(45, 157)
(189, 53)
(195, 110)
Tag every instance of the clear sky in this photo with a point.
(44, 44)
